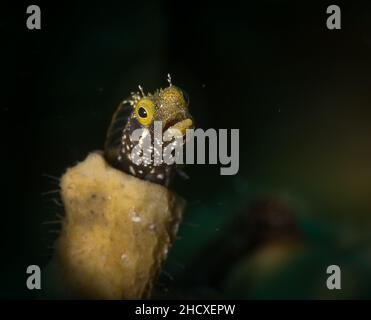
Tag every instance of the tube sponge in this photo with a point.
(116, 233)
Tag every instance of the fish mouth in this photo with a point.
(177, 128)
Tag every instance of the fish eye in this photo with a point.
(144, 111)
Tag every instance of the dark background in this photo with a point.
(299, 93)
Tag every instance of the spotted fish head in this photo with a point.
(166, 107)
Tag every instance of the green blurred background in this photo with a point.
(299, 93)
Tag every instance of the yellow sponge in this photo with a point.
(116, 233)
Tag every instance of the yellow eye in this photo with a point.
(144, 111)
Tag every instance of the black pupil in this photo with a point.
(142, 112)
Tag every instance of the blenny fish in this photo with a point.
(140, 110)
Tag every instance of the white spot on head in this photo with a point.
(160, 176)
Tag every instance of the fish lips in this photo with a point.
(177, 128)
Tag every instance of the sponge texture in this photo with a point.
(117, 231)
